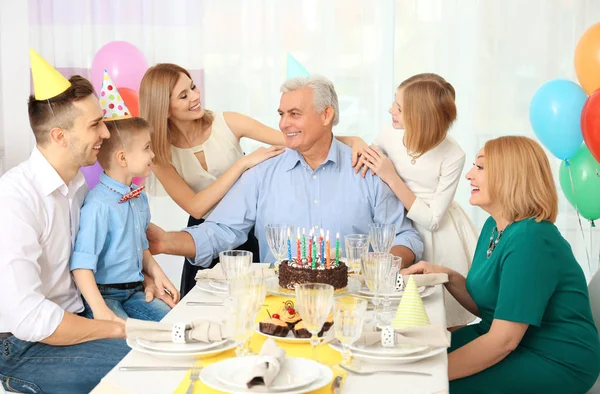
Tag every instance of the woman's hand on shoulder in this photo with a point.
(260, 155)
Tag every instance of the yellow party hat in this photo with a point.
(112, 103)
(411, 311)
(47, 82)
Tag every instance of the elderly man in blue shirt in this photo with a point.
(311, 184)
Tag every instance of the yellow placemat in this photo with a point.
(325, 354)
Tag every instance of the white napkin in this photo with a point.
(195, 331)
(431, 335)
(267, 366)
(216, 273)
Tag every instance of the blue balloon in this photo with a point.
(555, 115)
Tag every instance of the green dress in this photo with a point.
(532, 277)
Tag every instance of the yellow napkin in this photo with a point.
(411, 311)
(325, 354)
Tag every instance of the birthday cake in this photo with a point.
(292, 273)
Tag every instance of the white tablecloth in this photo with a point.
(117, 382)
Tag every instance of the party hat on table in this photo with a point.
(411, 311)
(47, 82)
(112, 103)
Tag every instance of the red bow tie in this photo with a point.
(133, 194)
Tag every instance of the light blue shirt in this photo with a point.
(112, 236)
(285, 189)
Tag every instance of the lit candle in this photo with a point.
(303, 243)
(322, 248)
(310, 241)
(337, 249)
(289, 244)
(298, 250)
(328, 249)
(314, 252)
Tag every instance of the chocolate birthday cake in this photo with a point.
(291, 273)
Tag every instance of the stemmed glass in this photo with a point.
(387, 288)
(376, 268)
(349, 318)
(356, 246)
(277, 236)
(235, 263)
(382, 236)
(246, 296)
(314, 302)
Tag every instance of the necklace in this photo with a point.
(494, 243)
(413, 158)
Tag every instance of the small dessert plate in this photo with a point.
(289, 338)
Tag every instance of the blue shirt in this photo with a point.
(285, 189)
(112, 236)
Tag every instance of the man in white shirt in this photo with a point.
(46, 345)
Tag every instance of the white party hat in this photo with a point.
(411, 311)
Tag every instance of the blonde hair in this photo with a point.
(428, 109)
(155, 96)
(121, 132)
(520, 179)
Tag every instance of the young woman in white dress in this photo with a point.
(198, 153)
(423, 167)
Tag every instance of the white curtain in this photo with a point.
(496, 53)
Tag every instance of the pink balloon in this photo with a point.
(138, 181)
(124, 63)
(92, 174)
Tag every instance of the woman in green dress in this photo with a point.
(536, 334)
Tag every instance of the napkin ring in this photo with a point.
(388, 335)
(399, 282)
(178, 333)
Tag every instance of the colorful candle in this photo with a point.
(337, 249)
(322, 248)
(303, 243)
(328, 249)
(314, 252)
(310, 246)
(289, 245)
(298, 250)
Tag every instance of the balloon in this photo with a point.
(590, 124)
(587, 59)
(124, 63)
(138, 181)
(130, 97)
(92, 174)
(586, 182)
(555, 115)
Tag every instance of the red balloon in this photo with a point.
(590, 124)
(130, 97)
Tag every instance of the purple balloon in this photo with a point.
(92, 174)
(124, 63)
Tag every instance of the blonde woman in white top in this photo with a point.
(423, 167)
(198, 153)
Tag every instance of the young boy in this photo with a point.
(111, 249)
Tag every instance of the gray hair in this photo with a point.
(324, 94)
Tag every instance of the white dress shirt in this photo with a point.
(39, 218)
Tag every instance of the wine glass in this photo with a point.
(349, 318)
(356, 246)
(382, 236)
(277, 237)
(376, 268)
(387, 288)
(235, 263)
(246, 296)
(314, 302)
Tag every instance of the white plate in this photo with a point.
(219, 285)
(178, 347)
(206, 286)
(290, 338)
(182, 355)
(274, 289)
(398, 351)
(424, 291)
(209, 377)
(386, 359)
(295, 373)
